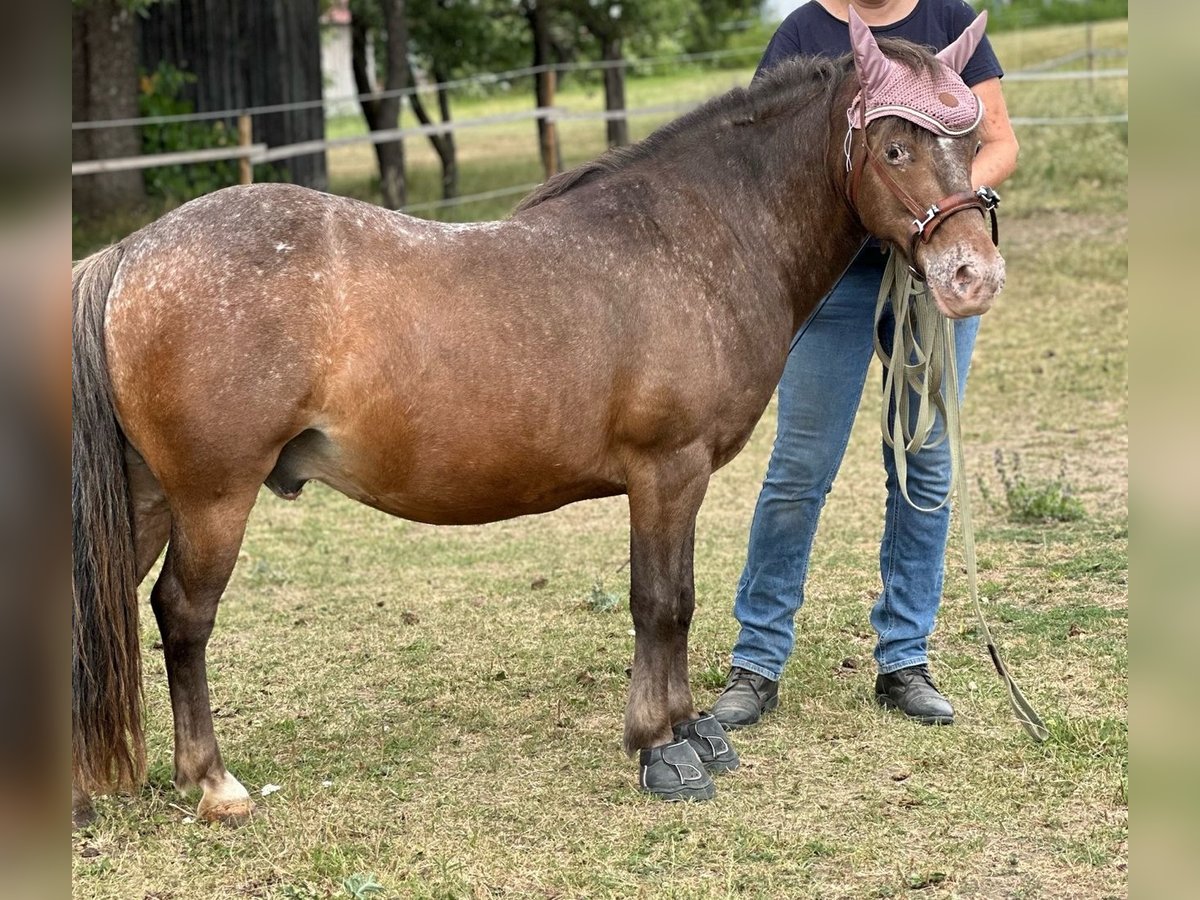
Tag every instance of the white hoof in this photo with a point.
(225, 801)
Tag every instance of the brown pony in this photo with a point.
(622, 332)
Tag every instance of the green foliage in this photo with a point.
(135, 6)
(162, 95)
(466, 37)
(1028, 500)
(600, 600)
(451, 39)
(717, 24)
(357, 887)
(643, 26)
(298, 892)
(1008, 14)
(362, 887)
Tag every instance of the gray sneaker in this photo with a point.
(913, 692)
(747, 696)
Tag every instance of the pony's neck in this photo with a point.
(797, 210)
(753, 179)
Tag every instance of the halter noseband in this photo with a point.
(925, 220)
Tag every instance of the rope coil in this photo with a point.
(922, 368)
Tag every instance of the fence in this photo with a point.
(249, 153)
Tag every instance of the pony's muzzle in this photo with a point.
(963, 280)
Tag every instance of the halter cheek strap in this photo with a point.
(985, 200)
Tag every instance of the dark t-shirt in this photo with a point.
(813, 31)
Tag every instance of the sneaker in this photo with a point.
(674, 772)
(710, 742)
(913, 692)
(747, 696)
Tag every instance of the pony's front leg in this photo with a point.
(664, 497)
(205, 539)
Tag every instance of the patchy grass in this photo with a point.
(1028, 499)
(442, 707)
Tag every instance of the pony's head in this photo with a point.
(911, 140)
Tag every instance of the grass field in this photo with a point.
(441, 708)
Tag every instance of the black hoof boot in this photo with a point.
(674, 772)
(710, 742)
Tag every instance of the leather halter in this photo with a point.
(925, 220)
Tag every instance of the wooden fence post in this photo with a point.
(549, 138)
(245, 139)
(1091, 58)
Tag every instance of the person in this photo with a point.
(834, 351)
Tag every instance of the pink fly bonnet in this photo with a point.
(944, 105)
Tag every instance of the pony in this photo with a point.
(621, 333)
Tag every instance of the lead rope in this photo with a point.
(922, 364)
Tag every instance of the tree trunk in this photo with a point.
(105, 86)
(384, 113)
(614, 93)
(450, 156)
(443, 144)
(538, 16)
(81, 144)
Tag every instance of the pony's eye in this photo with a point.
(978, 147)
(895, 153)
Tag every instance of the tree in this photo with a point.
(383, 113)
(539, 14)
(708, 24)
(104, 85)
(449, 39)
(612, 24)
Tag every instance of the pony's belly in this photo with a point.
(456, 503)
(426, 481)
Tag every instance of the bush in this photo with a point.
(162, 95)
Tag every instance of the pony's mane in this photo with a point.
(793, 85)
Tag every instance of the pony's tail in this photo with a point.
(107, 744)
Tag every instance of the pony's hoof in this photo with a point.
(227, 812)
(226, 801)
(674, 772)
(82, 816)
(82, 811)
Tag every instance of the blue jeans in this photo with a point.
(819, 395)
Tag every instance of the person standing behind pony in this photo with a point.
(814, 426)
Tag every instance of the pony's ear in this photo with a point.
(959, 53)
(870, 63)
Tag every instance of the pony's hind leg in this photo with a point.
(205, 538)
(151, 513)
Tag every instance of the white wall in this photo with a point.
(337, 73)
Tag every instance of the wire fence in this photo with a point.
(260, 153)
(251, 153)
(482, 79)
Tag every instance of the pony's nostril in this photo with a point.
(965, 278)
